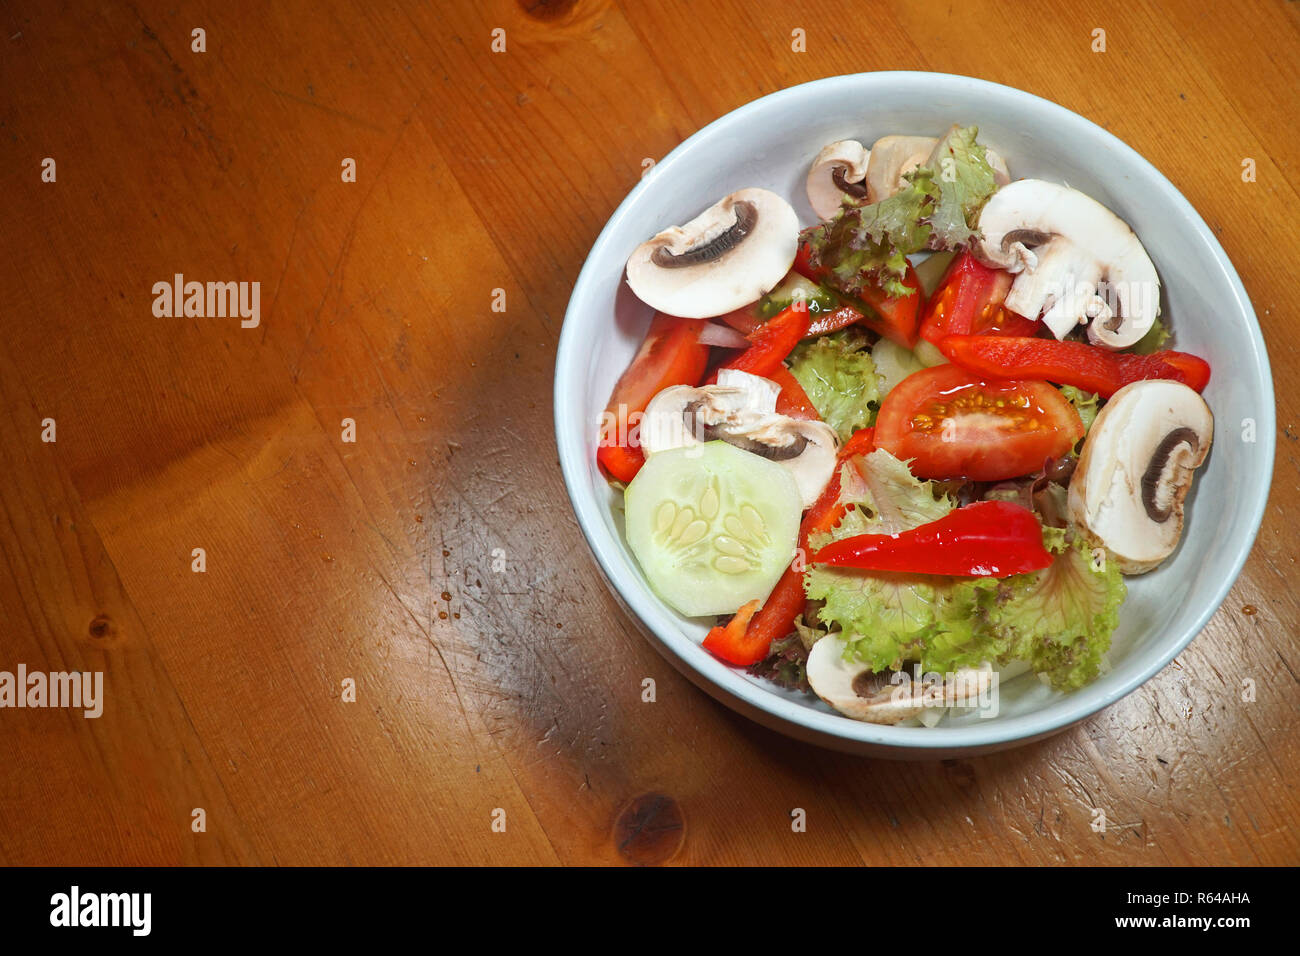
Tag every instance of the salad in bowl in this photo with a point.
(915, 448)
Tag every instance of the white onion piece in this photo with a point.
(723, 336)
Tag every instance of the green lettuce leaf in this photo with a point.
(863, 243)
(965, 181)
(809, 634)
(937, 209)
(1087, 404)
(886, 619)
(785, 664)
(1154, 340)
(1059, 619)
(840, 379)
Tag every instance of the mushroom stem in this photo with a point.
(837, 174)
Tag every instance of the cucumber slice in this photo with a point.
(893, 364)
(931, 271)
(712, 526)
(928, 354)
(793, 287)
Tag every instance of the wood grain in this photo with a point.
(434, 561)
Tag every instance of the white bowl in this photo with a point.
(770, 143)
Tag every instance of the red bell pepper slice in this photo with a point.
(1084, 366)
(670, 355)
(1193, 371)
(840, 317)
(772, 342)
(986, 539)
(752, 641)
(746, 320)
(724, 637)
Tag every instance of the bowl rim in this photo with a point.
(728, 684)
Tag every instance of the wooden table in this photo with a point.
(434, 561)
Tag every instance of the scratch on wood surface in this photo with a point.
(335, 271)
(332, 111)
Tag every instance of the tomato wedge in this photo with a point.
(792, 401)
(986, 539)
(670, 355)
(744, 320)
(803, 260)
(969, 301)
(956, 425)
(827, 510)
(1084, 366)
(894, 318)
(747, 637)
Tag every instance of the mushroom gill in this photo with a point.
(1153, 479)
(715, 247)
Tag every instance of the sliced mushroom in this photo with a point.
(731, 254)
(886, 697)
(741, 410)
(890, 158)
(1067, 249)
(1137, 467)
(838, 172)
